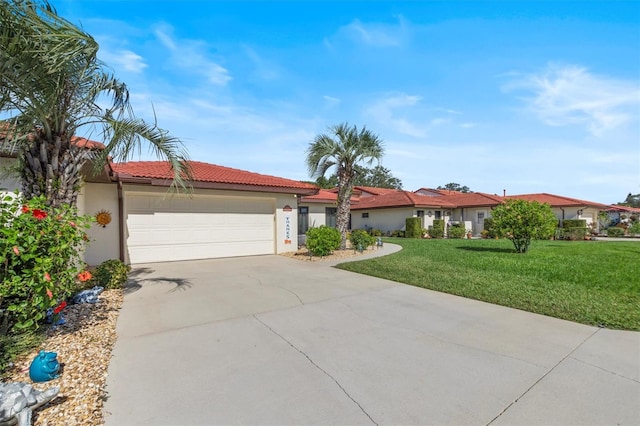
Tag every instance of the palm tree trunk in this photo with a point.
(345, 189)
(51, 169)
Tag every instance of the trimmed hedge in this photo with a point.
(413, 226)
(574, 223)
(457, 230)
(437, 230)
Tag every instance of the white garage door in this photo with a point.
(165, 228)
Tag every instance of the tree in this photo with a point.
(326, 183)
(52, 85)
(521, 221)
(345, 147)
(378, 177)
(455, 187)
(631, 201)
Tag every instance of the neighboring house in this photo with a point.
(319, 209)
(621, 214)
(230, 212)
(387, 209)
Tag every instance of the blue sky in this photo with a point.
(521, 96)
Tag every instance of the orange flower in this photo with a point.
(84, 276)
(47, 277)
(16, 250)
(49, 294)
(25, 209)
(72, 223)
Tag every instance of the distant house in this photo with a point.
(387, 209)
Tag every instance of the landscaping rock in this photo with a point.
(83, 345)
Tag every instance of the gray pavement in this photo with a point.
(277, 341)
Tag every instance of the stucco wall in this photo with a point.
(7, 183)
(317, 214)
(104, 243)
(386, 220)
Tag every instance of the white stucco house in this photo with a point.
(387, 209)
(229, 212)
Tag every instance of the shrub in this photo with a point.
(457, 230)
(361, 239)
(615, 232)
(574, 223)
(521, 221)
(413, 226)
(634, 229)
(397, 233)
(437, 230)
(575, 233)
(375, 232)
(111, 274)
(40, 259)
(489, 232)
(323, 240)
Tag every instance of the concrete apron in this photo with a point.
(272, 340)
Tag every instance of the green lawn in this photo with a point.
(590, 282)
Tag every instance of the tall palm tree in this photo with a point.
(51, 85)
(345, 147)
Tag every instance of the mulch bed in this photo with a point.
(84, 347)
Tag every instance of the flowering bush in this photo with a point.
(40, 261)
(323, 240)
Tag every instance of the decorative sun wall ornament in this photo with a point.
(103, 218)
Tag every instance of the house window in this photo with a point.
(365, 215)
(303, 220)
(330, 216)
(420, 213)
(480, 216)
(438, 214)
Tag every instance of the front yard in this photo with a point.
(590, 282)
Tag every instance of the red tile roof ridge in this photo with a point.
(207, 172)
(541, 196)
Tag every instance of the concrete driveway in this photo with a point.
(276, 341)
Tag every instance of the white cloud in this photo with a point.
(123, 59)
(331, 101)
(385, 112)
(191, 55)
(263, 68)
(377, 34)
(565, 95)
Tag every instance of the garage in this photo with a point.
(162, 227)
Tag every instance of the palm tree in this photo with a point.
(345, 148)
(52, 85)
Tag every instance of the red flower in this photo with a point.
(72, 224)
(84, 276)
(49, 294)
(25, 209)
(60, 307)
(39, 214)
(47, 277)
(16, 250)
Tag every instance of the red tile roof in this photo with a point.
(326, 196)
(398, 198)
(86, 143)
(471, 199)
(556, 200)
(210, 173)
(619, 208)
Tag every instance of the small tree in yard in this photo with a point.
(522, 221)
